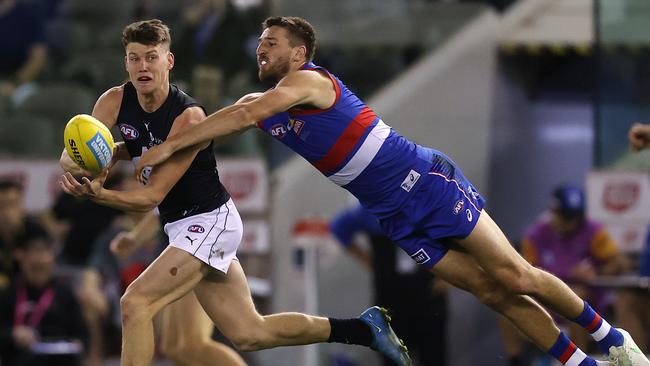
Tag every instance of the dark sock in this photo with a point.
(349, 331)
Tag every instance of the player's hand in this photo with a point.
(123, 245)
(152, 157)
(639, 136)
(68, 165)
(87, 188)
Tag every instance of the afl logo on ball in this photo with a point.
(196, 229)
(129, 132)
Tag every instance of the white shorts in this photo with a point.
(213, 237)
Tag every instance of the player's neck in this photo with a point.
(150, 102)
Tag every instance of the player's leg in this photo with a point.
(578, 335)
(186, 336)
(228, 302)
(173, 274)
(462, 270)
(489, 247)
(492, 251)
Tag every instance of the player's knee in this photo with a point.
(492, 295)
(520, 280)
(133, 307)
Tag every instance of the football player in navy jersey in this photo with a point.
(422, 199)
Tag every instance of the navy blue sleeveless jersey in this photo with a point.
(199, 189)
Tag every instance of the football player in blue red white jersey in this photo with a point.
(420, 196)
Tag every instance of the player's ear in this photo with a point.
(170, 60)
(300, 54)
(126, 60)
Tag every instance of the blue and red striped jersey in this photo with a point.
(354, 148)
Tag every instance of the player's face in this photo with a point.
(273, 54)
(148, 66)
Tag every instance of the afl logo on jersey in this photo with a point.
(278, 130)
(196, 229)
(129, 132)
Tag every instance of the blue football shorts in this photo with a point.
(445, 205)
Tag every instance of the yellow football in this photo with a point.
(88, 142)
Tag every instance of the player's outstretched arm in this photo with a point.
(639, 136)
(295, 89)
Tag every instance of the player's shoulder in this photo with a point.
(302, 77)
(112, 96)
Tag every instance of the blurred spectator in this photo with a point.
(40, 318)
(417, 303)
(639, 136)
(633, 305)
(638, 322)
(575, 249)
(15, 227)
(24, 51)
(82, 221)
(215, 36)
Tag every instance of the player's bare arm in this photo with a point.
(298, 88)
(105, 110)
(161, 181)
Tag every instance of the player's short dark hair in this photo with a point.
(300, 32)
(150, 32)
